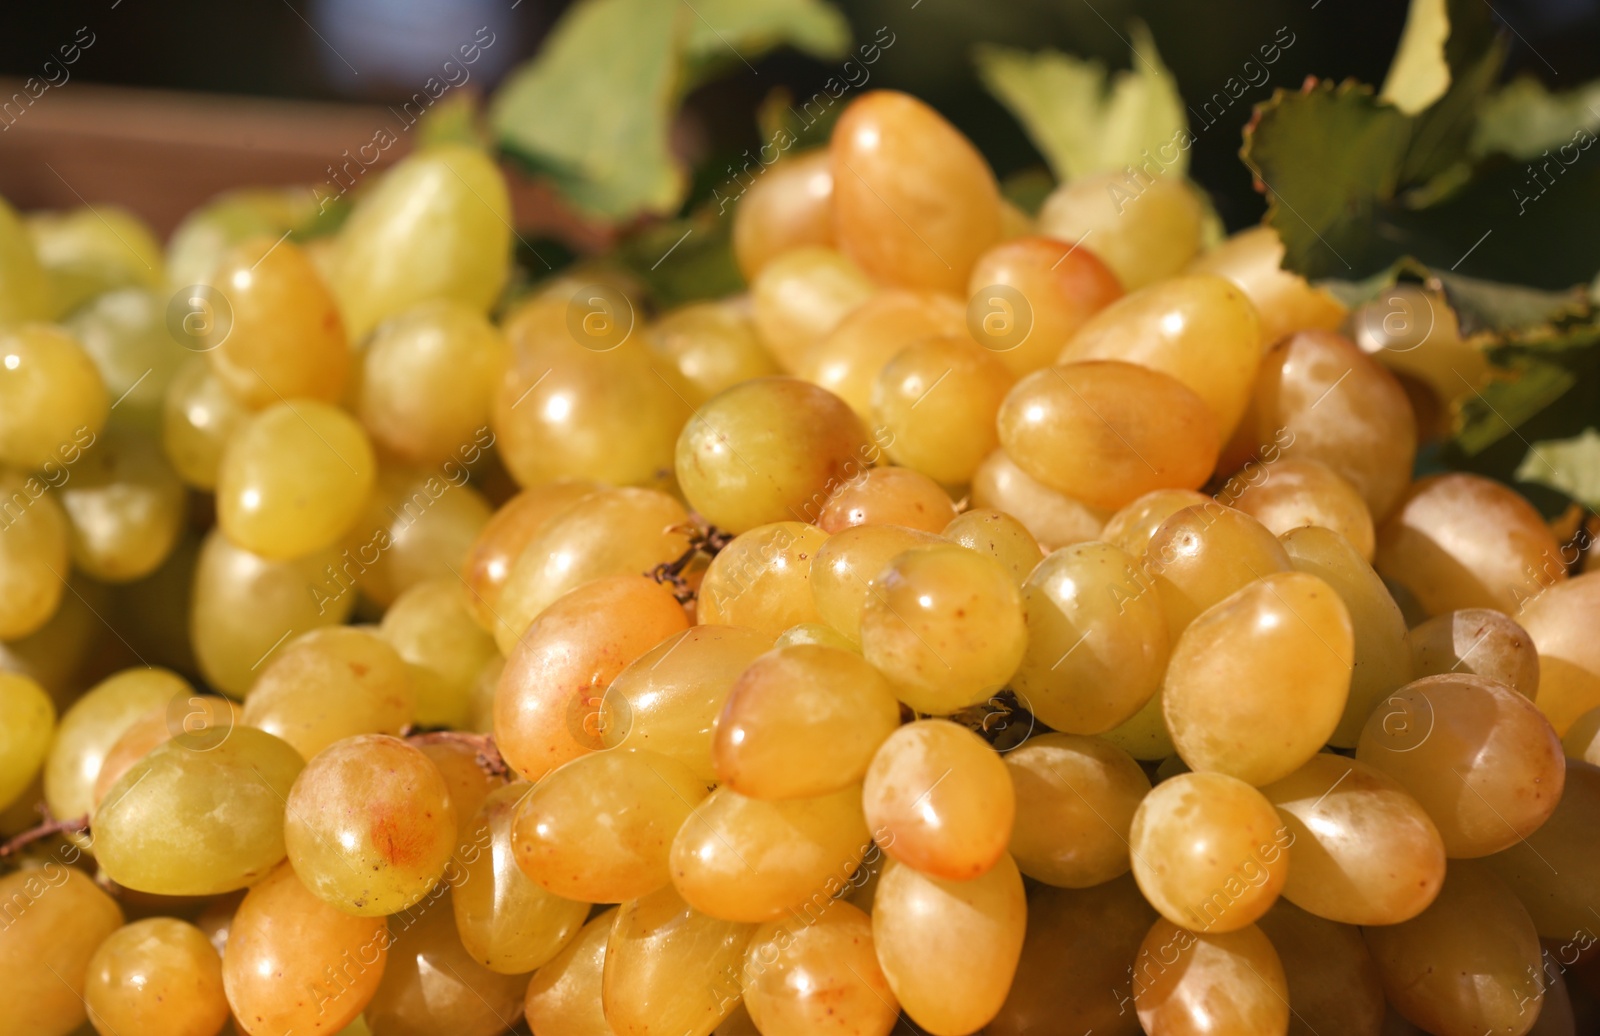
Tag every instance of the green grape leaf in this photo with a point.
(1569, 465)
(1419, 74)
(683, 260)
(457, 119)
(1084, 120)
(724, 34)
(1523, 120)
(1516, 314)
(1519, 391)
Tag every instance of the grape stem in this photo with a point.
(703, 539)
(489, 758)
(50, 826)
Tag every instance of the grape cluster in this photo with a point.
(986, 623)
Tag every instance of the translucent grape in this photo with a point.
(1060, 287)
(1133, 525)
(1555, 871)
(712, 346)
(1284, 300)
(846, 568)
(52, 400)
(1481, 641)
(198, 418)
(1075, 798)
(154, 728)
(762, 579)
(25, 294)
(805, 978)
(1145, 736)
(1202, 554)
(998, 535)
(789, 206)
(669, 968)
(1561, 622)
(125, 332)
(370, 825)
(502, 540)
(934, 407)
(27, 724)
(94, 249)
(418, 524)
(1143, 236)
(1055, 519)
(443, 647)
(801, 295)
(848, 359)
(1188, 984)
(55, 919)
(816, 633)
(888, 496)
(157, 977)
(1295, 493)
(564, 995)
(125, 507)
(329, 684)
(53, 654)
(1333, 984)
(211, 229)
(93, 725)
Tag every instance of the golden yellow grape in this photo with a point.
(1132, 526)
(1333, 984)
(790, 206)
(503, 538)
(56, 917)
(198, 418)
(848, 359)
(1291, 494)
(92, 726)
(934, 406)
(1481, 641)
(1145, 735)
(329, 684)
(564, 995)
(418, 524)
(156, 977)
(35, 558)
(1032, 294)
(1055, 519)
(801, 978)
(53, 401)
(1284, 300)
(816, 633)
(125, 506)
(889, 496)
(27, 725)
(1192, 984)
(670, 968)
(802, 294)
(55, 652)
(1202, 554)
(1076, 797)
(1555, 871)
(762, 579)
(1561, 622)
(846, 568)
(443, 647)
(712, 346)
(1144, 230)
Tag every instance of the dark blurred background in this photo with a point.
(381, 50)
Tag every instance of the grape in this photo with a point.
(370, 825)
(55, 919)
(1055, 519)
(1463, 541)
(1142, 238)
(998, 535)
(848, 359)
(790, 206)
(427, 377)
(125, 333)
(645, 799)
(504, 537)
(203, 716)
(939, 800)
(461, 762)
(1257, 682)
(285, 938)
(1292, 494)
(1132, 526)
(1333, 984)
(432, 984)
(1365, 851)
(1145, 736)
(436, 226)
(801, 295)
(802, 978)
(564, 995)
(845, 570)
(1553, 870)
(198, 419)
(52, 400)
(91, 250)
(1187, 983)
(1209, 851)
(294, 479)
(1200, 330)
(1561, 622)
(818, 634)
(1059, 286)
(1480, 758)
(802, 720)
(669, 968)
(1097, 639)
(126, 507)
(1075, 797)
(53, 654)
(1582, 740)
(280, 336)
(1075, 961)
(1470, 963)
(769, 450)
(1285, 302)
(762, 579)
(416, 525)
(712, 346)
(949, 948)
(506, 922)
(24, 289)
(889, 496)
(211, 229)
(669, 706)
(614, 532)
(157, 977)
(755, 860)
(27, 724)
(245, 606)
(946, 625)
(1109, 432)
(943, 434)
(92, 726)
(34, 558)
(329, 684)
(443, 647)
(1480, 641)
(1200, 555)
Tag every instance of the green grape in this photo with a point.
(1200, 555)
(1190, 984)
(426, 380)
(801, 978)
(939, 800)
(1075, 800)
(1292, 494)
(815, 633)
(285, 938)
(125, 333)
(564, 995)
(1365, 851)
(744, 859)
(483, 688)
(1132, 527)
(34, 554)
(436, 226)
(445, 649)
(762, 579)
(1258, 681)
(294, 479)
(55, 919)
(1332, 981)
(157, 977)
(787, 209)
(504, 537)
(646, 798)
(1209, 851)
(769, 450)
(1480, 758)
(1145, 736)
(1381, 662)
(889, 496)
(370, 825)
(246, 606)
(461, 764)
(1480, 641)
(207, 232)
(203, 719)
(801, 295)
(507, 923)
(712, 346)
(668, 699)
(1470, 963)
(52, 400)
(614, 532)
(1561, 622)
(329, 684)
(126, 507)
(56, 652)
(24, 290)
(949, 948)
(549, 705)
(92, 250)
(670, 968)
(416, 525)
(27, 724)
(1055, 519)
(1555, 871)
(998, 535)
(802, 720)
(846, 568)
(1143, 239)
(432, 984)
(945, 625)
(945, 434)
(198, 419)
(848, 359)
(1097, 639)
(93, 725)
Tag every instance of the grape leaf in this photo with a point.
(1523, 119)
(1569, 465)
(1520, 389)
(724, 34)
(1082, 119)
(1419, 74)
